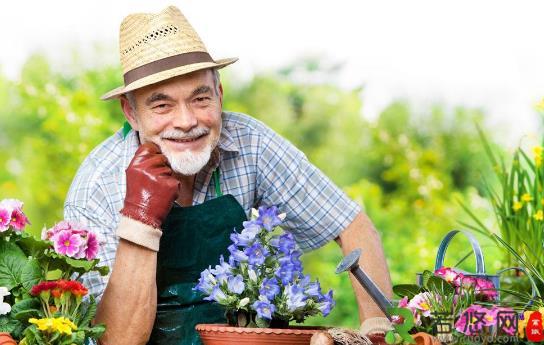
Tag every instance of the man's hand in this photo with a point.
(151, 186)
(361, 234)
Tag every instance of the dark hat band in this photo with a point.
(166, 64)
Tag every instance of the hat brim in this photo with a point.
(164, 75)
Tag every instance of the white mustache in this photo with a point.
(181, 135)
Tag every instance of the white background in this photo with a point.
(487, 54)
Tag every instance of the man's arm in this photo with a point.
(129, 303)
(362, 234)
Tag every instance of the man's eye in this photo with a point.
(160, 106)
(202, 99)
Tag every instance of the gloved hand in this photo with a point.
(375, 328)
(151, 186)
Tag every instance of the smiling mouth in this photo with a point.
(185, 140)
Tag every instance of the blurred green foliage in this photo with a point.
(406, 168)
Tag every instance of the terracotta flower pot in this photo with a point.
(218, 334)
(6, 339)
(422, 338)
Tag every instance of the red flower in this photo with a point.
(56, 292)
(41, 287)
(76, 288)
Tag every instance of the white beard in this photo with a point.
(188, 163)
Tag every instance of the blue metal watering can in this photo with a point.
(476, 249)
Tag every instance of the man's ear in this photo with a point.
(130, 114)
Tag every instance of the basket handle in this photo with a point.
(480, 264)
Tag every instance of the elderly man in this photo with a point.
(166, 191)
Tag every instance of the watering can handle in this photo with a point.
(480, 264)
(534, 288)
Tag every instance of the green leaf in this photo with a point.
(16, 270)
(33, 246)
(262, 323)
(26, 306)
(439, 285)
(408, 290)
(390, 337)
(426, 276)
(102, 270)
(96, 331)
(88, 314)
(7, 324)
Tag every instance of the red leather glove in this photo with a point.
(151, 186)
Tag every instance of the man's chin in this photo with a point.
(188, 163)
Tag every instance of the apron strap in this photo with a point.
(215, 177)
(126, 129)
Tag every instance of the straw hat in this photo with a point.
(156, 47)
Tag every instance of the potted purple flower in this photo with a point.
(262, 286)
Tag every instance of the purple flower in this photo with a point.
(313, 289)
(67, 243)
(237, 255)
(287, 243)
(256, 254)
(251, 223)
(286, 273)
(235, 284)
(268, 217)
(264, 309)
(269, 288)
(223, 267)
(326, 303)
(216, 295)
(246, 237)
(291, 263)
(206, 282)
(296, 298)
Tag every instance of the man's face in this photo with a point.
(183, 116)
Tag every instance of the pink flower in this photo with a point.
(422, 302)
(48, 234)
(486, 289)
(508, 324)
(403, 303)
(86, 245)
(5, 219)
(92, 246)
(66, 243)
(474, 319)
(18, 219)
(12, 213)
(481, 286)
(450, 275)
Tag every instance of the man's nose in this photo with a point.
(185, 119)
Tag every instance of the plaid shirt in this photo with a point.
(258, 167)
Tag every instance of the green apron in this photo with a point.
(193, 238)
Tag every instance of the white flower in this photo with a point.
(252, 275)
(282, 216)
(255, 213)
(243, 302)
(4, 307)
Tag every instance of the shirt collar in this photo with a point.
(226, 142)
